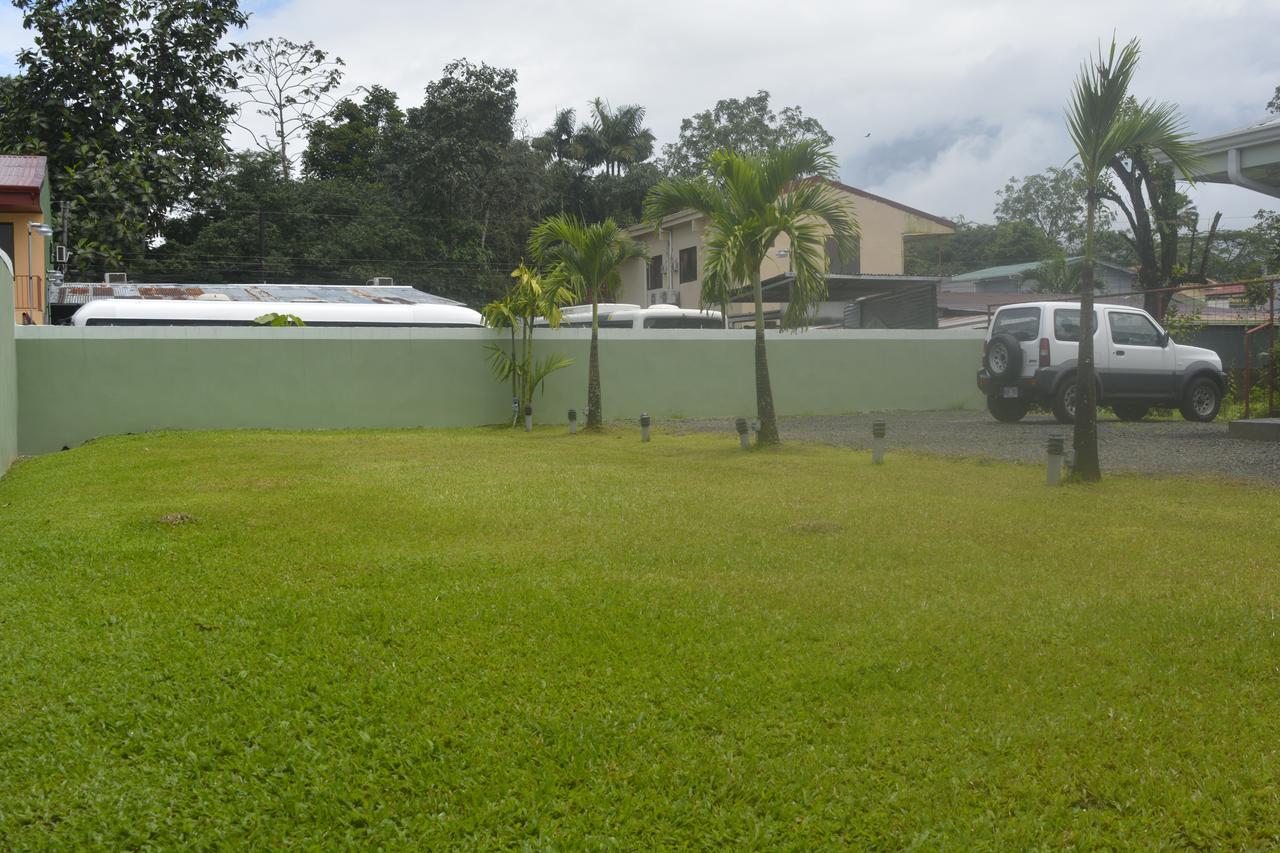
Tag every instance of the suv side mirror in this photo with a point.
(1164, 339)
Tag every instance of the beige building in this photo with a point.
(673, 274)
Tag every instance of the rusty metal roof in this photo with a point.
(77, 293)
(21, 172)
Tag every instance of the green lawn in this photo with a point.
(487, 639)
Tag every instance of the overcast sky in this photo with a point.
(957, 95)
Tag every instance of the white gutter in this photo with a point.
(1237, 176)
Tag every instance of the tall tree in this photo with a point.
(750, 201)
(290, 85)
(977, 245)
(125, 98)
(1053, 201)
(745, 126)
(1155, 212)
(351, 141)
(1102, 125)
(1274, 104)
(589, 259)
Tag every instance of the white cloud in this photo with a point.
(957, 96)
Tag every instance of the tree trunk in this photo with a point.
(1085, 436)
(764, 391)
(595, 417)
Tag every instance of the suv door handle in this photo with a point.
(1119, 352)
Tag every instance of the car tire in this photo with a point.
(1007, 411)
(1064, 401)
(1130, 411)
(1201, 400)
(1004, 357)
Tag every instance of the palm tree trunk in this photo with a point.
(595, 417)
(1085, 437)
(764, 391)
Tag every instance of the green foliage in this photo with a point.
(1053, 201)
(975, 246)
(278, 320)
(372, 639)
(125, 98)
(746, 126)
(291, 85)
(599, 170)
(441, 197)
(1056, 275)
(530, 296)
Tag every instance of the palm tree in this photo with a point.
(615, 139)
(1104, 122)
(750, 201)
(588, 259)
(530, 296)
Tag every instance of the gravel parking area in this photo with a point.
(1149, 447)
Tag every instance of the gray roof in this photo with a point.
(77, 293)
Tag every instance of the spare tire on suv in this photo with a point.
(1004, 357)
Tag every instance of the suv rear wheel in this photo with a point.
(1130, 411)
(1064, 401)
(1007, 411)
(1201, 400)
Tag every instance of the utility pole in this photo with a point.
(262, 244)
(66, 225)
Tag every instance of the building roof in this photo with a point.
(22, 178)
(982, 303)
(20, 171)
(1018, 270)
(1248, 157)
(77, 293)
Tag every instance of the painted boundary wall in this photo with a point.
(8, 369)
(75, 384)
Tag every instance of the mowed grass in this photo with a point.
(487, 639)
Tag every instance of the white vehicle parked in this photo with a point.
(222, 312)
(616, 315)
(1031, 351)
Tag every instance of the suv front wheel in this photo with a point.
(1201, 401)
(1007, 411)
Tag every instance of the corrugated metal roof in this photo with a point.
(77, 293)
(20, 171)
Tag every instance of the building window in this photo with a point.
(655, 272)
(688, 264)
(838, 265)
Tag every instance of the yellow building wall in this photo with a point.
(29, 296)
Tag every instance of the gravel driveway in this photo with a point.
(1159, 447)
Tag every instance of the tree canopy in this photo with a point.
(745, 126)
(126, 99)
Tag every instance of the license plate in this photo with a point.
(1011, 391)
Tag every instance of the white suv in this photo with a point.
(1030, 356)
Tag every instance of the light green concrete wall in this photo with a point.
(75, 384)
(8, 369)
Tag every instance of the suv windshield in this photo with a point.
(1022, 323)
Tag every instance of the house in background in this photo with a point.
(1021, 278)
(672, 275)
(24, 218)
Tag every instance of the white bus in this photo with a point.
(202, 312)
(615, 315)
